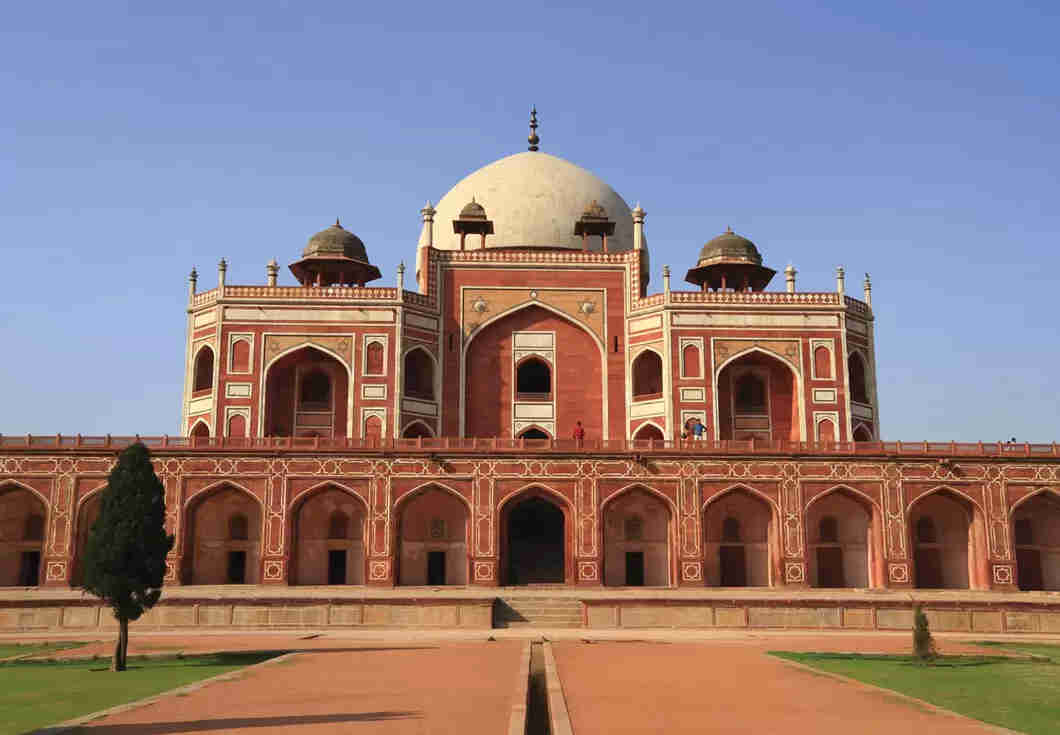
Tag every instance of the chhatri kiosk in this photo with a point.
(353, 439)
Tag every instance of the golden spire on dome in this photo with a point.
(533, 140)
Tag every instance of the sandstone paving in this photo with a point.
(448, 687)
(721, 686)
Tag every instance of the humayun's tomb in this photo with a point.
(355, 454)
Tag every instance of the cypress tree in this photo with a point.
(923, 643)
(125, 556)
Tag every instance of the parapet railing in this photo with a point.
(297, 293)
(432, 445)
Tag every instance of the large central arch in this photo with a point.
(759, 395)
(306, 392)
(535, 530)
(487, 374)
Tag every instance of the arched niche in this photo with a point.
(648, 431)
(328, 539)
(222, 537)
(690, 361)
(946, 531)
(202, 374)
(240, 358)
(862, 433)
(23, 519)
(758, 397)
(417, 430)
(1036, 540)
(858, 372)
(647, 371)
(87, 513)
(535, 433)
(433, 538)
(740, 539)
(306, 394)
(419, 374)
(822, 363)
(637, 540)
(200, 430)
(533, 380)
(842, 529)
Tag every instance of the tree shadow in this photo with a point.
(236, 723)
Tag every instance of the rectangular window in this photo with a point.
(237, 567)
(337, 566)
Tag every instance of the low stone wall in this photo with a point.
(999, 617)
(68, 615)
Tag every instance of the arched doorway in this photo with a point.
(202, 375)
(859, 384)
(647, 376)
(534, 541)
(758, 399)
(328, 539)
(86, 517)
(200, 431)
(222, 538)
(637, 540)
(533, 433)
(839, 541)
(432, 539)
(417, 430)
(306, 394)
(862, 433)
(941, 524)
(739, 538)
(22, 530)
(1036, 538)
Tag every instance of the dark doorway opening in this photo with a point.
(928, 568)
(634, 568)
(1029, 569)
(237, 567)
(535, 543)
(733, 566)
(337, 566)
(435, 567)
(29, 572)
(533, 434)
(830, 567)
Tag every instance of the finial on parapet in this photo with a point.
(868, 290)
(193, 278)
(272, 270)
(638, 227)
(400, 277)
(789, 276)
(533, 140)
(221, 268)
(840, 281)
(666, 282)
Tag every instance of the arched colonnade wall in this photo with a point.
(375, 519)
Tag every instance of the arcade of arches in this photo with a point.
(637, 540)
(533, 540)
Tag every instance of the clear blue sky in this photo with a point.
(917, 141)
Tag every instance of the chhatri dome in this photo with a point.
(534, 201)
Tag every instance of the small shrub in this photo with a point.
(923, 644)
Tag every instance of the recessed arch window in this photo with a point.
(419, 375)
(238, 527)
(750, 394)
(338, 525)
(822, 362)
(34, 530)
(647, 375)
(373, 358)
(859, 390)
(690, 361)
(730, 529)
(925, 531)
(241, 356)
(634, 528)
(828, 530)
(533, 380)
(533, 433)
(202, 378)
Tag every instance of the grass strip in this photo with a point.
(9, 650)
(1019, 694)
(37, 693)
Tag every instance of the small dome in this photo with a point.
(729, 247)
(335, 241)
(473, 210)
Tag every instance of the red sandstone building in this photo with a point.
(341, 433)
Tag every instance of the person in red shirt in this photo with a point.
(579, 433)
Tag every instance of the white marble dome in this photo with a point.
(533, 200)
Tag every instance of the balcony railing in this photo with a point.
(432, 445)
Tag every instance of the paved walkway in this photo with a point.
(399, 682)
(730, 687)
(459, 688)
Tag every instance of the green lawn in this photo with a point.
(7, 650)
(1018, 694)
(38, 693)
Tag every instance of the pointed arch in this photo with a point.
(407, 495)
(764, 351)
(82, 512)
(862, 432)
(601, 347)
(535, 536)
(751, 558)
(15, 484)
(534, 427)
(633, 487)
(875, 506)
(317, 555)
(263, 384)
(530, 488)
(747, 488)
(662, 434)
(424, 426)
(646, 558)
(209, 554)
(798, 387)
(1055, 492)
(304, 495)
(202, 373)
(854, 558)
(429, 549)
(955, 558)
(946, 488)
(646, 374)
(415, 383)
(200, 429)
(858, 380)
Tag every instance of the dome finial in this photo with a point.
(337, 223)
(533, 140)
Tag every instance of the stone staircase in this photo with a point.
(537, 612)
